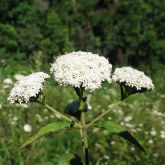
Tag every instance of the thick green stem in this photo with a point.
(85, 138)
(103, 114)
(83, 133)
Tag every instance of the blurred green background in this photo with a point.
(127, 32)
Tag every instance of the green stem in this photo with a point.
(122, 92)
(85, 138)
(60, 114)
(102, 114)
(81, 135)
(83, 132)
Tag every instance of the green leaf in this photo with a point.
(69, 159)
(98, 162)
(52, 127)
(114, 128)
(110, 126)
(127, 136)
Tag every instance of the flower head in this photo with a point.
(82, 69)
(132, 78)
(27, 88)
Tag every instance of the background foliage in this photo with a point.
(127, 32)
(33, 32)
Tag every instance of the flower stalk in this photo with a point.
(103, 114)
(60, 114)
(83, 132)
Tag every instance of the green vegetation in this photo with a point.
(143, 115)
(127, 32)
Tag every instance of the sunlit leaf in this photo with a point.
(52, 127)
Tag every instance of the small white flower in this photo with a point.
(150, 141)
(8, 81)
(95, 130)
(139, 129)
(113, 142)
(27, 128)
(122, 123)
(133, 130)
(159, 114)
(15, 118)
(45, 110)
(153, 132)
(82, 69)
(140, 124)
(46, 117)
(128, 118)
(52, 116)
(109, 118)
(27, 88)
(18, 77)
(162, 134)
(155, 154)
(106, 157)
(133, 78)
(128, 125)
(132, 149)
(13, 122)
(39, 118)
(117, 111)
(89, 106)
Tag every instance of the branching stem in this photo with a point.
(60, 114)
(103, 114)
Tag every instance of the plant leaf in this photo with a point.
(110, 126)
(114, 128)
(127, 136)
(52, 127)
(69, 159)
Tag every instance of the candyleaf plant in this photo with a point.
(84, 71)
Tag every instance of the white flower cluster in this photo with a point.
(82, 69)
(132, 77)
(27, 88)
